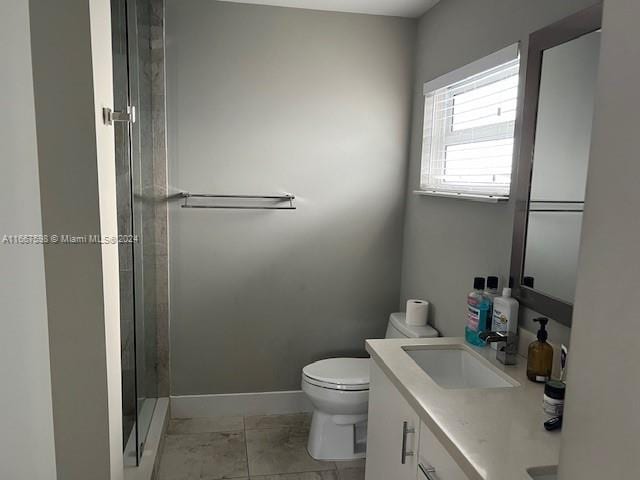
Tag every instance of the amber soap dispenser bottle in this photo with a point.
(540, 357)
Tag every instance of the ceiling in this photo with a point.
(396, 8)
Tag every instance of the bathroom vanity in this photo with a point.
(442, 410)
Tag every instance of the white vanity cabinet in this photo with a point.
(399, 445)
(434, 463)
(392, 431)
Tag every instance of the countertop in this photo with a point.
(492, 433)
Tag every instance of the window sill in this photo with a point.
(463, 196)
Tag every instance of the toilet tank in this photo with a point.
(398, 328)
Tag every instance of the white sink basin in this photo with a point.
(457, 367)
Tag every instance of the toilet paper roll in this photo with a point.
(417, 312)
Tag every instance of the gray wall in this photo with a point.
(26, 416)
(263, 100)
(448, 242)
(600, 433)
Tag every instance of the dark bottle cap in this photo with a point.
(554, 424)
(542, 333)
(492, 283)
(555, 389)
(478, 283)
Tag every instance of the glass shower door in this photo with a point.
(144, 254)
(136, 218)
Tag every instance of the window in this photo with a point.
(469, 126)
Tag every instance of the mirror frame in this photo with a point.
(567, 29)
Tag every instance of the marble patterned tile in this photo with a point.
(158, 183)
(160, 231)
(162, 277)
(162, 335)
(347, 464)
(159, 139)
(203, 456)
(296, 420)
(180, 459)
(281, 450)
(354, 473)
(326, 475)
(205, 425)
(156, 16)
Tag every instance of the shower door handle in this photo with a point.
(109, 116)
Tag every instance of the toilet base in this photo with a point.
(337, 437)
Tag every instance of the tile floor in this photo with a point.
(272, 447)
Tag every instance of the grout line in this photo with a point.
(294, 473)
(203, 433)
(246, 445)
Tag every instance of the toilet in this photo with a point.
(339, 391)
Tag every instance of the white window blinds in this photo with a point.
(469, 123)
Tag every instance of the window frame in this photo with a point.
(438, 135)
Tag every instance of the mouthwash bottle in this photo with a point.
(478, 306)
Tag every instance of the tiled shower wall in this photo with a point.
(147, 185)
(160, 193)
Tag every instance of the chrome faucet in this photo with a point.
(506, 354)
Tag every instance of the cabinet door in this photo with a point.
(392, 424)
(435, 463)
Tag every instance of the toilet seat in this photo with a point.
(336, 386)
(350, 374)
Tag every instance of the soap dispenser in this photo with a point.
(540, 357)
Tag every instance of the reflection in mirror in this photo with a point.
(560, 160)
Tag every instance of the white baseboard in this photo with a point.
(263, 403)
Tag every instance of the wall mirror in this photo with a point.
(553, 162)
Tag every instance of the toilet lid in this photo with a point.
(340, 371)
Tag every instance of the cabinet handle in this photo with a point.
(428, 471)
(405, 431)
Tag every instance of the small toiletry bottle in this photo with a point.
(540, 357)
(492, 287)
(492, 292)
(553, 401)
(505, 313)
(478, 305)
